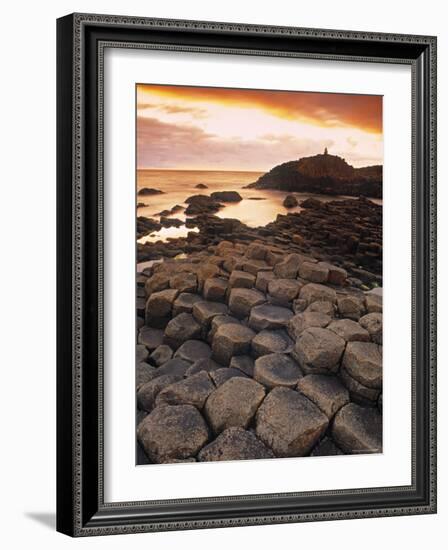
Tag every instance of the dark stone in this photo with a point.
(193, 390)
(324, 391)
(233, 404)
(181, 328)
(235, 444)
(289, 423)
(358, 430)
(172, 432)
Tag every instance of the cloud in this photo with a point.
(195, 112)
(322, 109)
(175, 146)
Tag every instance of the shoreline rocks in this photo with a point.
(250, 345)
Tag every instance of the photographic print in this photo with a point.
(259, 274)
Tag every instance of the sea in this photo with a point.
(258, 207)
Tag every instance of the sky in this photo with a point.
(203, 128)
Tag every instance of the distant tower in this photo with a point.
(326, 151)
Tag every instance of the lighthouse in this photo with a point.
(325, 151)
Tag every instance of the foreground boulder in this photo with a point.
(147, 393)
(373, 323)
(363, 361)
(319, 350)
(193, 350)
(289, 423)
(158, 307)
(271, 341)
(358, 429)
(231, 339)
(307, 319)
(235, 444)
(242, 300)
(313, 292)
(350, 330)
(277, 369)
(267, 316)
(233, 404)
(181, 328)
(284, 290)
(172, 432)
(324, 391)
(193, 390)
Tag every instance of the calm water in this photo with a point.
(178, 185)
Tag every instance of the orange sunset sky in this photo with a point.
(199, 128)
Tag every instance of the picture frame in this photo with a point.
(81, 506)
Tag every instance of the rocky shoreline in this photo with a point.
(262, 343)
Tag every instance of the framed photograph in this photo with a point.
(246, 274)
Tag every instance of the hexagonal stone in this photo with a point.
(184, 303)
(218, 321)
(289, 266)
(271, 341)
(234, 403)
(374, 303)
(316, 273)
(158, 307)
(157, 282)
(319, 350)
(324, 391)
(358, 430)
(151, 338)
(268, 316)
(143, 373)
(373, 323)
(184, 282)
(235, 444)
(161, 354)
(308, 319)
(141, 353)
(263, 279)
(193, 390)
(205, 271)
(204, 312)
(321, 307)
(231, 339)
(351, 307)
(193, 350)
(241, 279)
(215, 289)
(313, 292)
(277, 369)
(244, 363)
(206, 365)
(364, 362)
(350, 330)
(255, 266)
(289, 423)
(358, 393)
(284, 290)
(336, 275)
(147, 393)
(174, 366)
(256, 251)
(172, 432)
(242, 300)
(180, 329)
(219, 376)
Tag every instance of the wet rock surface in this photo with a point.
(261, 342)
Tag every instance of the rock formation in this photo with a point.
(323, 174)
